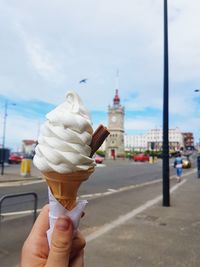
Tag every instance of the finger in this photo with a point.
(78, 261)
(78, 244)
(60, 243)
(41, 225)
(36, 244)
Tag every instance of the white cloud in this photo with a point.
(19, 128)
(48, 46)
(41, 59)
(141, 123)
(184, 40)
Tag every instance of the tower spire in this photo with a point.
(116, 99)
(117, 79)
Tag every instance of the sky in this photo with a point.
(48, 46)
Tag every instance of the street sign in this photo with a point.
(4, 154)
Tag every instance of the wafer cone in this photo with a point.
(64, 186)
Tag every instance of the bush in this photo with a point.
(100, 153)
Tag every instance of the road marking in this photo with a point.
(112, 190)
(100, 165)
(121, 189)
(95, 195)
(129, 187)
(17, 213)
(23, 182)
(123, 218)
(90, 196)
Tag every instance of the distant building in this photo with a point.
(175, 139)
(135, 142)
(188, 140)
(144, 141)
(155, 136)
(28, 146)
(115, 141)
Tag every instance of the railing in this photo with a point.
(21, 195)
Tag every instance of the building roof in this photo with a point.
(116, 99)
(29, 142)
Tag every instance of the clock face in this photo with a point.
(113, 119)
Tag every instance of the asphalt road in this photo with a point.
(109, 178)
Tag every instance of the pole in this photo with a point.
(166, 186)
(4, 137)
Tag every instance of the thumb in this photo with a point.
(60, 243)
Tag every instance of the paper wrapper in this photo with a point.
(56, 210)
(63, 190)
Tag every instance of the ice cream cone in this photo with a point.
(64, 186)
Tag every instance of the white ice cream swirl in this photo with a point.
(63, 145)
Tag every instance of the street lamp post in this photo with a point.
(166, 186)
(4, 135)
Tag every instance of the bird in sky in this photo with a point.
(83, 81)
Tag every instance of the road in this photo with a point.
(104, 192)
(110, 176)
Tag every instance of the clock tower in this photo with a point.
(115, 141)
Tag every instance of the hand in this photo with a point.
(65, 250)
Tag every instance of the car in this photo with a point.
(15, 158)
(141, 157)
(98, 159)
(186, 163)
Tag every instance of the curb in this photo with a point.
(25, 179)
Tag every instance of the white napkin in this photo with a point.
(56, 210)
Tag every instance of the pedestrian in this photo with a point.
(178, 164)
(66, 248)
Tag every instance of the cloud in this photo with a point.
(141, 124)
(19, 128)
(47, 47)
(43, 62)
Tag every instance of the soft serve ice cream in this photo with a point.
(63, 156)
(64, 142)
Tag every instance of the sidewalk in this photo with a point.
(12, 174)
(158, 236)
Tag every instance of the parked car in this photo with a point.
(15, 158)
(98, 159)
(141, 157)
(186, 162)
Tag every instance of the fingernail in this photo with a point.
(63, 223)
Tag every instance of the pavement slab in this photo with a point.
(159, 236)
